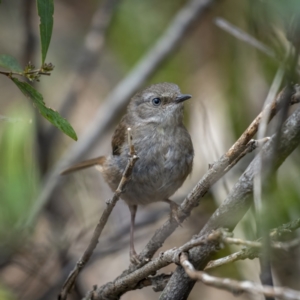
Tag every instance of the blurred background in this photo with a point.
(229, 80)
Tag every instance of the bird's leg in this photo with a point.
(134, 258)
(174, 207)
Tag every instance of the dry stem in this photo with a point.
(234, 286)
(69, 283)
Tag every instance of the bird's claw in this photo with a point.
(175, 212)
(134, 258)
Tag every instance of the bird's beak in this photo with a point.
(182, 98)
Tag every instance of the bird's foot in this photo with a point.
(174, 211)
(134, 258)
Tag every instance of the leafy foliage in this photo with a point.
(52, 116)
(45, 11)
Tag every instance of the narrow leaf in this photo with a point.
(52, 116)
(45, 11)
(10, 63)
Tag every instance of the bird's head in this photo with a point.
(159, 103)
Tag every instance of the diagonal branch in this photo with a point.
(235, 205)
(235, 286)
(69, 283)
(251, 252)
(245, 37)
(113, 290)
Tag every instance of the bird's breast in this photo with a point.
(165, 160)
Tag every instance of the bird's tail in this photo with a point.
(84, 164)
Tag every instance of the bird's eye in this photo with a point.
(156, 101)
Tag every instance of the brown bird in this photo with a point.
(164, 147)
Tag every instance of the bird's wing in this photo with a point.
(119, 137)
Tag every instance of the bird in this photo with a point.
(163, 145)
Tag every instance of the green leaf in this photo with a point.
(10, 63)
(52, 116)
(45, 11)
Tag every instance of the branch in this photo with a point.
(140, 277)
(251, 146)
(245, 253)
(251, 252)
(115, 289)
(245, 37)
(250, 40)
(31, 74)
(157, 282)
(285, 228)
(261, 226)
(234, 286)
(69, 283)
(259, 244)
(236, 204)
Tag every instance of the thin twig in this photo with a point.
(244, 36)
(130, 281)
(246, 253)
(234, 286)
(258, 188)
(252, 253)
(24, 74)
(250, 40)
(259, 244)
(222, 236)
(251, 146)
(69, 283)
(133, 280)
(285, 228)
(131, 146)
